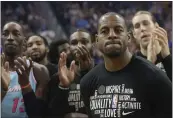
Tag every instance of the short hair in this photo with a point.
(148, 13)
(113, 14)
(53, 54)
(82, 30)
(43, 38)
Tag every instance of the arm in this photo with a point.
(34, 108)
(59, 89)
(161, 96)
(41, 75)
(57, 98)
(34, 104)
(167, 63)
(5, 77)
(5, 82)
(162, 38)
(84, 90)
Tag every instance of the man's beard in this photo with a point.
(113, 54)
(11, 52)
(40, 58)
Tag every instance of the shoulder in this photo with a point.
(143, 64)
(40, 72)
(39, 66)
(148, 69)
(91, 76)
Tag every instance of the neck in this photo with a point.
(44, 61)
(143, 50)
(118, 63)
(11, 59)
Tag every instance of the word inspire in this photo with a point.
(113, 101)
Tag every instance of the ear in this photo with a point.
(24, 41)
(129, 38)
(96, 39)
(24, 45)
(156, 24)
(134, 34)
(47, 49)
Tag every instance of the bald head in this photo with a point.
(112, 35)
(14, 24)
(111, 16)
(13, 38)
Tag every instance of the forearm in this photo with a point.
(34, 106)
(58, 104)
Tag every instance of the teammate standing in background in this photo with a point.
(67, 102)
(38, 49)
(153, 41)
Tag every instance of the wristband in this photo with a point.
(23, 87)
(63, 88)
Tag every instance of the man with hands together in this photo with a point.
(21, 76)
(153, 41)
(65, 85)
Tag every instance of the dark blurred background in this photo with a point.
(57, 20)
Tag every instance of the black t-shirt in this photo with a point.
(62, 102)
(140, 90)
(52, 69)
(164, 64)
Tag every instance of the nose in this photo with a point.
(79, 43)
(34, 46)
(112, 34)
(143, 28)
(10, 38)
(68, 51)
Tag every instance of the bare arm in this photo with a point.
(34, 102)
(41, 75)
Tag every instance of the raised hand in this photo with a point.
(66, 76)
(5, 74)
(84, 58)
(151, 50)
(162, 38)
(23, 70)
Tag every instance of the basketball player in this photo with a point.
(153, 41)
(37, 49)
(63, 104)
(124, 86)
(35, 77)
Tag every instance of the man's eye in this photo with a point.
(4, 33)
(104, 32)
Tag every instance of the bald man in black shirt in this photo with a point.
(124, 86)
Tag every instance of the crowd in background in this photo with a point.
(75, 15)
(25, 14)
(86, 14)
(65, 76)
